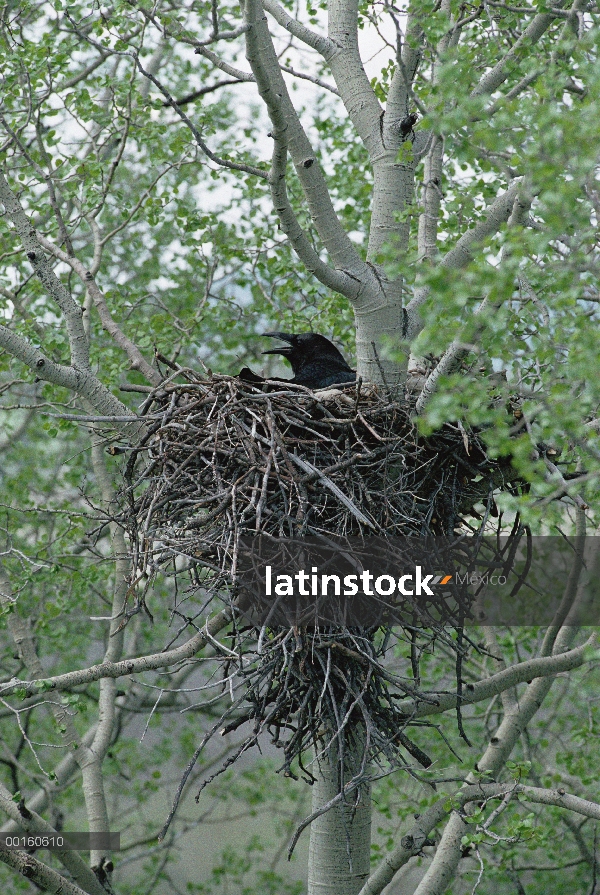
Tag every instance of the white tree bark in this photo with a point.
(109, 669)
(377, 302)
(412, 844)
(340, 838)
(47, 879)
(29, 821)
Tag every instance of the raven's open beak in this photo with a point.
(285, 337)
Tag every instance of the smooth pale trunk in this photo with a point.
(340, 839)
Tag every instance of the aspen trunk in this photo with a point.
(340, 839)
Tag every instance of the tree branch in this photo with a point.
(538, 667)
(45, 176)
(412, 844)
(125, 667)
(492, 761)
(63, 773)
(47, 879)
(82, 382)
(290, 135)
(501, 71)
(133, 54)
(528, 79)
(356, 91)
(497, 214)
(137, 359)
(203, 91)
(72, 312)
(400, 92)
(317, 42)
(31, 822)
(223, 66)
(170, 101)
(312, 78)
(200, 48)
(459, 256)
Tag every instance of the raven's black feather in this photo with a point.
(316, 362)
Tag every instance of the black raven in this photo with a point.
(316, 362)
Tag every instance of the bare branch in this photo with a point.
(221, 35)
(289, 134)
(31, 822)
(126, 666)
(179, 34)
(47, 879)
(539, 667)
(137, 359)
(321, 44)
(170, 101)
(82, 382)
(72, 311)
(312, 78)
(203, 91)
(223, 66)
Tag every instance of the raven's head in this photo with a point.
(303, 349)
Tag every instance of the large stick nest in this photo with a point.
(224, 459)
(226, 456)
